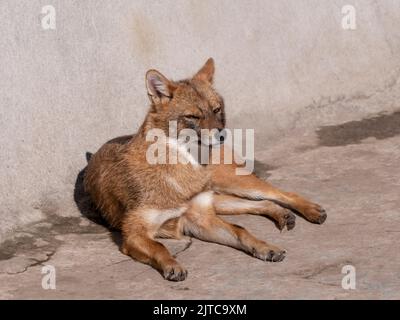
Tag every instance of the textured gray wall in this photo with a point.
(281, 65)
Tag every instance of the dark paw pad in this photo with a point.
(276, 256)
(269, 254)
(322, 216)
(290, 220)
(175, 274)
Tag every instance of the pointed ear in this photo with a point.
(159, 88)
(206, 73)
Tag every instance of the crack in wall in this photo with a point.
(324, 101)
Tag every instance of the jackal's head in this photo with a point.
(192, 103)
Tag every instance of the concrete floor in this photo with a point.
(352, 169)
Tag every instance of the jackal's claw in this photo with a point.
(175, 273)
(273, 254)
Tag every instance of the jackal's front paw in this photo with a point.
(314, 213)
(175, 272)
(269, 253)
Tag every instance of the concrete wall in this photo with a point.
(64, 92)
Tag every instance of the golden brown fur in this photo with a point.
(170, 200)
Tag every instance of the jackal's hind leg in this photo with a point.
(232, 205)
(225, 181)
(201, 222)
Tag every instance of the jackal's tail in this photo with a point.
(88, 156)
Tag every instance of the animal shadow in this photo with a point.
(88, 209)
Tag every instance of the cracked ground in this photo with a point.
(352, 169)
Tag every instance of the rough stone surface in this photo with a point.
(351, 168)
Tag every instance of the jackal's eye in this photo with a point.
(217, 110)
(191, 117)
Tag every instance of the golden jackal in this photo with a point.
(147, 201)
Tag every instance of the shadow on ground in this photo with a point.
(82, 199)
(381, 126)
(88, 210)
